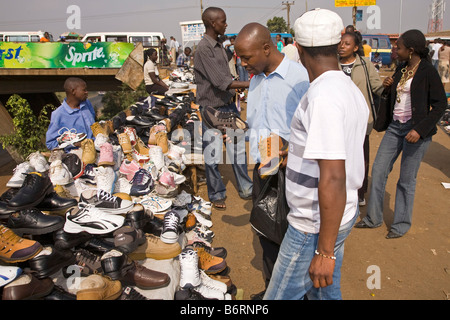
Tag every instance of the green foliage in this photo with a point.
(29, 130)
(277, 24)
(116, 101)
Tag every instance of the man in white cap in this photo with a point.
(325, 167)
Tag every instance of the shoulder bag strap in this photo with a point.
(369, 89)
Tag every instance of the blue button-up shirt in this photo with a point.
(272, 101)
(65, 117)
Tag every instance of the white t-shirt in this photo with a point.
(330, 123)
(149, 66)
(436, 47)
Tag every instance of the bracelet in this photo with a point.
(325, 256)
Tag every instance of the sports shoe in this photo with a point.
(74, 164)
(212, 293)
(155, 248)
(118, 156)
(165, 191)
(167, 179)
(125, 142)
(156, 156)
(175, 152)
(59, 173)
(193, 237)
(99, 287)
(106, 157)
(131, 132)
(213, 284)
(8, 274)
(170, 231)
(269, 149)
(104, 200)
(189, 270)
(67, 137)
(99, 140)
(18, 176)
(129, 293)
(204, 232)
(38, 161)
(129, 168)
(209, 263)
(155, 204)
(86, 263)
(92, 220)
(89, 155)
(202, 218)
(16, 249)
(106, 178)
(89, 174)
(142, 183)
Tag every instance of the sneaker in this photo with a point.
(118, 156)
(59, 173)
(129, 168)
(155, 204)
(132, 135)
(192, 237)
(100, 139)
(74, 164)
(122, 185)
(92, 220)
(209, 263)
(129, 293)
(125, 142)
(269, 149)
(142, 183)
(106, 178)
(202, 218)
(189, 270)
(212, 293)
(170, 232)
(156, 156)
(104, 200)
(175, 152)
(89, 174)
(38, 162)
(56, 154)
(8, 274)
(106, 155)
(86, 263)
(18, 176)
(16, 249)
(155, 248)
(213, 284)
(67, 137)
(89, 155)
(165, 191)
(99, 287)
(204, 232)
(167, 179)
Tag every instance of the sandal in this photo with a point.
(219, 204)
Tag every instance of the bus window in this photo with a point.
(1, 37)
(384, 44)
(18, 38)
(116, 39)
(35, 39)
(93, 39)
(156, 41)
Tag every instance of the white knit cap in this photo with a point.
(318, 28)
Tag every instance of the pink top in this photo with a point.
(402, 109)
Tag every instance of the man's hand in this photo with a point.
(321, 271)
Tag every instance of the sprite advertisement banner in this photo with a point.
(36, 55)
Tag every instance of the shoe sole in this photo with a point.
(37, 231)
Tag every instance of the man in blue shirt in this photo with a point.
(275, 91)
(184, 59)
(75, 113)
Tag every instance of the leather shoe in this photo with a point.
(138, 121)
(33, 221)
(49, 261)
(59, 293)
(53, 202)
(362, 225)
(137, 217)
(27, 287)
(393, 235)
(5, 212)
(34, 189)
(64, 240)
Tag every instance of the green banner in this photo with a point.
(36, 55)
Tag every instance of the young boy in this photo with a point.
(75, 114)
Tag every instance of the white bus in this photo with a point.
(23, 36)
(148, 39)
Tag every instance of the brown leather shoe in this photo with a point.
(145, 278)
(27, 287)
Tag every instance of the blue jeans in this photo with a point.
(290, 278)
(238, 156)
(391, 146)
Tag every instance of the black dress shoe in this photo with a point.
(393, 235)
(53, 202)
(35, 188)
(32, 221)
(137, 217)
(138, 121)
(153, 114)
(5, 212)
(59, 293)
(65, 240)
(49, 261)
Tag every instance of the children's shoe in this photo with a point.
(68, 137)
(142, 183)
(89, 154)
(129, 168)
(106, 178)
(20, 172)
(125, 143)
(106, 155)
(38, 161)
(59, 173)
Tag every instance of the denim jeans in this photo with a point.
(391, 146)
(290, 278)
(236, 153)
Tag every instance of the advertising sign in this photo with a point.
(36, 55)
(192, 31)
(354, 3)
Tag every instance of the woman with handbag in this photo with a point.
(415, 101)
(365, 76)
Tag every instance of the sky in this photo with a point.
(165, 16)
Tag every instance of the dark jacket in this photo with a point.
(428, 98)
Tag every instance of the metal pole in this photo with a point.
(400, 25)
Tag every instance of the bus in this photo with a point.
(148, 39)
(382, 44)
(23, 36)
(284, 36)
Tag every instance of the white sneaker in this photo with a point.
(155, 204)
(170, 232)
(156, 156)
(118, 157)
(38, 161)
(202, 218)
(19, 175)
(92, 220)
(59, 173)
(193, 237)
(100, 139)
(8, 274)
(106, 178)
(105, 201)
(210, 293)
(213, 284)
(122, 185)
(189, 270)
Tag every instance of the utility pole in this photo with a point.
(201, 8)
(288, 7)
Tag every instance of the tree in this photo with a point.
(277, 24)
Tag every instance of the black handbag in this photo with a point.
(269, 214)
(384, 110)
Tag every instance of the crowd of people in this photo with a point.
(294, 88)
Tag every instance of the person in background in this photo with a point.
(377, 61)
(45, 38)
(444, 56)
(291, 51)
(435, 46)
(153, 83)
(352, 61)
(325, 167)
(280, 43)
(367, 49)
(417, 101)
(274, 94)
(184, 59)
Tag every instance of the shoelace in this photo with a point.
(87, 258)
(104, 195)
(171, 221)
(9, 237)
(141, 177)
